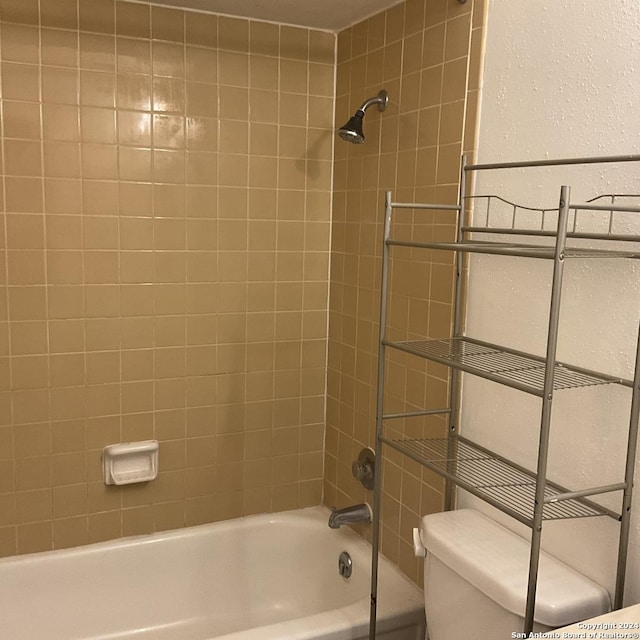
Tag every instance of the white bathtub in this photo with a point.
(267, 577)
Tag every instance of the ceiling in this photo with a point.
(331, 15)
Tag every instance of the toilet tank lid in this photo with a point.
(496, 561)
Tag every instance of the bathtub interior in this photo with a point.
(193, 584)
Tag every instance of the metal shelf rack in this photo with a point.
(553, 234)
(498, 481)
(509, 367)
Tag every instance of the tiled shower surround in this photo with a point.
(174, 198)
(426, 54)
(165, 251)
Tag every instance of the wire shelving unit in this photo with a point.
(509, 229)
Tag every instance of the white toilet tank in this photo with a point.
(475, 581)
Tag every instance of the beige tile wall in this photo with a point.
(419, 52)
(165, 248)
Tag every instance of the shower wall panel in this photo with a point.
(427, 55)
(164, 255)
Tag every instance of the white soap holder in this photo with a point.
(130, 462)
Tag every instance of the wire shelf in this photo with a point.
(599, 219)
(513, 369)
(516, 249)
(492, 478)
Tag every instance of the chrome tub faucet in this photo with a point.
(356, 514)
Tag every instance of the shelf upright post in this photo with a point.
(377, 489)
(625, 519)
(547, 398)
(454, 388)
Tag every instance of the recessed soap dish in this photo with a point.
(130, 462)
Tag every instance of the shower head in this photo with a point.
(352, 131)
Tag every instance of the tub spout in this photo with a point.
(358, 513)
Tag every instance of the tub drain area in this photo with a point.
(345, 565)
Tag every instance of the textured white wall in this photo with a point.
(561, 80)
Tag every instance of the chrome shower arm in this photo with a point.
(381, 100)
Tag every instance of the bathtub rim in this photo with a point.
(340, 623)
